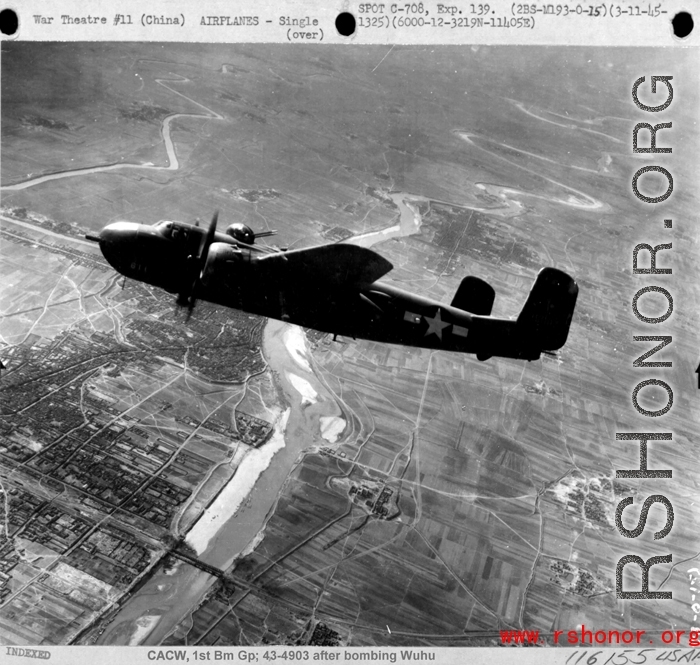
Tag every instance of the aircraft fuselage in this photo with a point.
(286, 287)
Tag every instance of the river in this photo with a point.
(173, 163)
(408, 224)
(155, 610)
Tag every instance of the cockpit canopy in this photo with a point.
(173, 230)
(165, 228)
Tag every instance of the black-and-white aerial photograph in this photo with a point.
(348, 345)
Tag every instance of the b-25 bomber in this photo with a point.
(335, 289)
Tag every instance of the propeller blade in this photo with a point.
(207, 240)
(189, 298)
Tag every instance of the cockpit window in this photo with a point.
(165, 228)
(180, 233)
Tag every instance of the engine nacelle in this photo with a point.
(220, 259)
(241, 232)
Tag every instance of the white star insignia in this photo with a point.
(436, 325)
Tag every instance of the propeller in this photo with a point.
(196, 264)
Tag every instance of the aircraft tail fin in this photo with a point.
(547, 313)
(474, 295)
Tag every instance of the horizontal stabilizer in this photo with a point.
(339, 264)
(547, 313)
(474, 295)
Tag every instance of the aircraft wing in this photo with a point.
(341, 264)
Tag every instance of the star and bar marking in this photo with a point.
(435, 324)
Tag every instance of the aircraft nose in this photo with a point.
(119, 243)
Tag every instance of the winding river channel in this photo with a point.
(173, 163)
